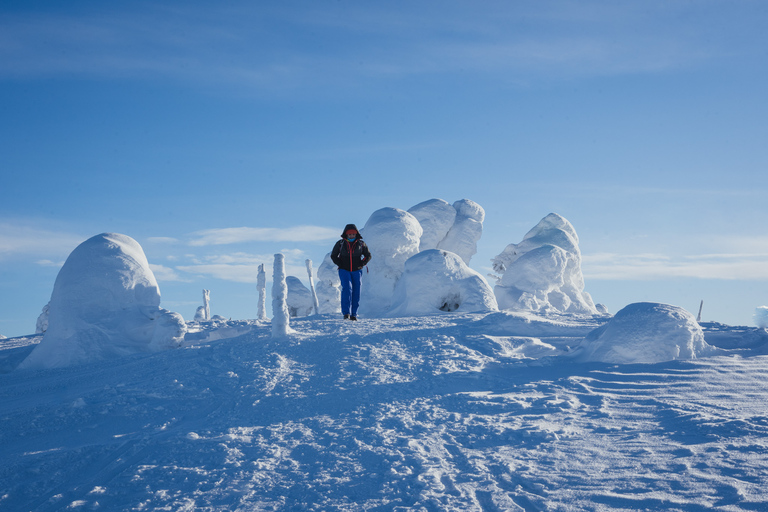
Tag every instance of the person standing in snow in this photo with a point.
(350, 254)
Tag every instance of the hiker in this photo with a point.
(350, 254)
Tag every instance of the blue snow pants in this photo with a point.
(350, 291)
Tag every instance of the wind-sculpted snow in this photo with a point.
(299, 298)
(646, 332)
(392, 235)
(450, 412)
(105, 303)
(543, 272)
(328, 287)
(436, 281)
(761, 317)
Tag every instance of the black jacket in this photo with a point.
(350, 255)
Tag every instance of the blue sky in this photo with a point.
(219, 135)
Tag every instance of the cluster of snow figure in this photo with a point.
(420, 262)
(106, 302)
(421, 257)
(543, 272)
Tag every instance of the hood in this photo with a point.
(348, 227)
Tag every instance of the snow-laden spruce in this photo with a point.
(456, 228)
(393, 236)
(42, 321)
(105, 303)
(436, 218)
(645, 332)
(203, 313)
(261, 285)
(280, 315)
(466, 231)
(436, 281)
(543, 272)
(328, 287)
(299, 298)
(761, 316)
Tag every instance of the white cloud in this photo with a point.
(243, 267)
(25, 238)
(162, 240)
(49, 263)
(246, 234)
(165, 273)
(236, 273)
(609, 266)
(368, 42)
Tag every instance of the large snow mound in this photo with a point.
(105, 303)
(646, 332)
(436, 281)
(543, 272)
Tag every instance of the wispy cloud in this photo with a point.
(226, 236)
(241, 44)
(26, 238)
(243, 267)
(610, 266)
(163, 273)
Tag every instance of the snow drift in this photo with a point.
(436, 281)
(543, 272)
(645, 332)
(105, 303)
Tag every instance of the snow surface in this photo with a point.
(436, 281)
(543, 272)
(460, 412)
(105, 303)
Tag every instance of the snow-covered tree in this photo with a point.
(280, 314)
(393, 236)
(435, 282)
(315, 304)
(261, 284)
(328, 287)
(543, 272)
(42, 321)
(105, 303)
(466, 231)
(298, 298)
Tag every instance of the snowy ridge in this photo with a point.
(448, 412)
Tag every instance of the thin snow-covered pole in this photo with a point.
(701, 306)
(261, 284)
(312, 287)
(280, 314)
(207, 304)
